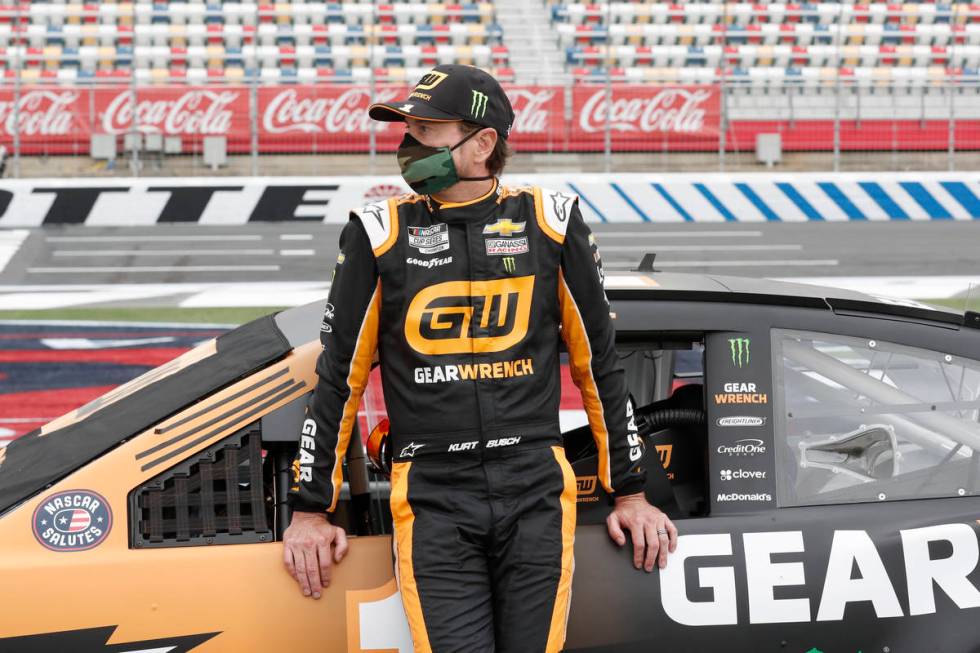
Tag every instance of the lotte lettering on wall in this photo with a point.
(323, 118)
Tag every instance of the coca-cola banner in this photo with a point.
(333, 118)
(312, 118)
(638, 116)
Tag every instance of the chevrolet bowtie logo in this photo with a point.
(504, 227)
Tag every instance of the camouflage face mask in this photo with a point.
(428, 169)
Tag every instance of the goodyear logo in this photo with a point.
(459, 317)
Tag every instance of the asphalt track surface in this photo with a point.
(305, 252)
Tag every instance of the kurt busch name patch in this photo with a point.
(75, 520)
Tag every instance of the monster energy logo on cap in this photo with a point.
(740, 351)
(509, 264)
(478, 105)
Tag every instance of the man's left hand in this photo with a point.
(654, 535)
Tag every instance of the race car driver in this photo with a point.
(463, 290)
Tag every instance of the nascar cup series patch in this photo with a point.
(75, 520)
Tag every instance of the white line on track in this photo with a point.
(653, 233)
(156, 239)
(699, 248)
(10, 242)
(23, 420)
(829, 262)
(164, 252)
(297, 252)
(295, 236)
(158, 268)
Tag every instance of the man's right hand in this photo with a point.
(311, 546)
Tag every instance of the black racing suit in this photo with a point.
(465, 304)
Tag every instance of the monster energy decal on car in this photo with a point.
(740, 351)
(478, 105)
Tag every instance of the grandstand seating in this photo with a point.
(911, 43)
(234, 41)
(881, 43)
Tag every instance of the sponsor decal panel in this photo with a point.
(73, 520)
(429, 240)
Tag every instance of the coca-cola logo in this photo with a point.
(532, 110)
(671, 110)
(202, 112)
(291, 110)
(39, 113)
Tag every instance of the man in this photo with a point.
(464, 290)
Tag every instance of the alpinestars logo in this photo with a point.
(409, 450)
(478, 105)
(740, 351)
(93, 640)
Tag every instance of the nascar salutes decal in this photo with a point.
(93, 640)
(75, 520)
(429, 240)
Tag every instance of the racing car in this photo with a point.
(818, 449)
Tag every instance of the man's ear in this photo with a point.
(486, 140)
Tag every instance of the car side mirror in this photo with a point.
(869, 453)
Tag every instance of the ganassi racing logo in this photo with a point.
(93, 640)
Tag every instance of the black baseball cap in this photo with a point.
(453, 92)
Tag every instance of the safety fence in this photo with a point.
(679, 198)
